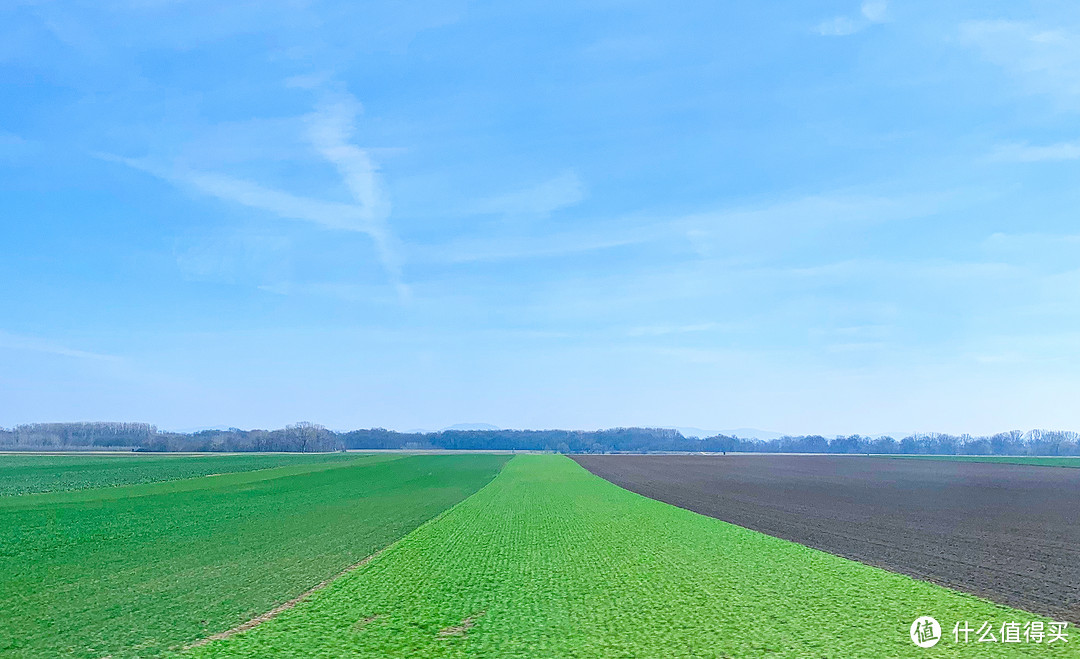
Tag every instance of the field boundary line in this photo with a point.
(282, 608)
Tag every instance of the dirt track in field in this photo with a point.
(281, 608)
(1009, 533)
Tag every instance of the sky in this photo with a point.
(806, 217)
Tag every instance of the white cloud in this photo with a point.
(10, 139)
(506, 248)
(330, 131)
(36, 344)
(871, 11)
(234, 256)
(757, 229)
(742, 230)
(332, 290)
(14, 148)
(875, 11)
(1045, 60)
(665, 330)
(316, 80)
(1024, 152)
(1030, 241)
(328, 214)
(840, 26)
(539, 200)
(1038, 251)
(624, 48)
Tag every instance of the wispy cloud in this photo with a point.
(235, 255)
(330, 131)
(1047, 60)
(857, 346)
(1024, 152)
(624, 48)
(539, 200)
(875, 11)
(1037, 241)
(14, 148)
(327, 214)
(871, 12)
(708, 233)
(333, 290)
(666, 330)
(509, 248)
(1039, 251)
(10, 139)
(839, 26)
(36, 344)
(753, 229)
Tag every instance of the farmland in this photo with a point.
(26, 474)
(134, 570)
(1007, 532)
(549, 560)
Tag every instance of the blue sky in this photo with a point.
(823, 217)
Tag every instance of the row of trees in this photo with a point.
(300, 438)
(309, 437)
(1014, 442)
(78, 435)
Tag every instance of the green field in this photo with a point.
(134, 570)
(550, 561)
(25, 474)
(1005, 459)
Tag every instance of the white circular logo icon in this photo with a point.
(925, 632)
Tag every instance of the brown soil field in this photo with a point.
(1008, 533)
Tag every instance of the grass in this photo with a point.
(550, 561)
(135, 570)
(26, 474)
(1003, 459)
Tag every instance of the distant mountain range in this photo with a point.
(456, 426)
(472, 426)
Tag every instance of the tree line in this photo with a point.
(310, 437)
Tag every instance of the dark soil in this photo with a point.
(1006, 532)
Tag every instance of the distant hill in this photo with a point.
(197, 429)
(751, 433)
(744, 433)
(472, 426)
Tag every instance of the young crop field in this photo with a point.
(549, 560)
(1002, 531)
(25, 474)
(136, 570)
(1001, 459)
